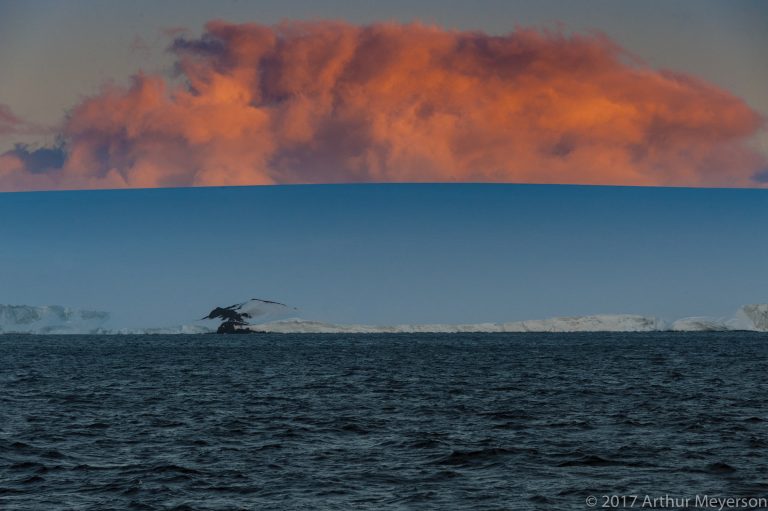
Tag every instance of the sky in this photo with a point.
(160, 94)
(153, 122)
(387, 254)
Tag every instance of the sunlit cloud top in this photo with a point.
(329, 102)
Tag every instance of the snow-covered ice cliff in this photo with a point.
(752, 317)
(599, 323)
(56, 319)
(49, 319)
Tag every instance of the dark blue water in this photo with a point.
(443, 422)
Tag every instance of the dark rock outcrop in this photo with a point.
(235, 317)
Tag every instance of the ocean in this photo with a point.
(380, 422)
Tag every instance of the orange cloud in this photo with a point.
(325, 102)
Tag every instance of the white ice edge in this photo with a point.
(62, 320)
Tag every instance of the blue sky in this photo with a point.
(387, 253)
(375, 253)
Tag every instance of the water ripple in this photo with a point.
(433, 422)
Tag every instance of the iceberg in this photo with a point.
(752, 317)
(749, 317)
(50, 319)
(257, 315)
(598, 323)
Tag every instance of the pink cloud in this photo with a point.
(324, 102)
